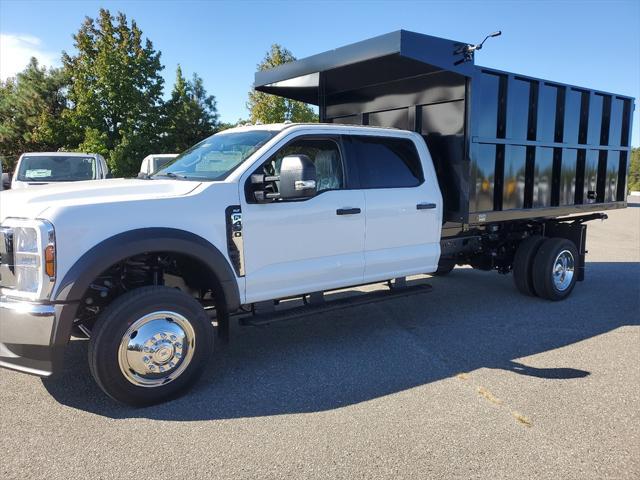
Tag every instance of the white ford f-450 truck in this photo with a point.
(250, 215)
(504, 179)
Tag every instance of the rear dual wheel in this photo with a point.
(546, 267)
(523, 264)
(555, 269)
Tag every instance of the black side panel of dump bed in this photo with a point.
(542, 146)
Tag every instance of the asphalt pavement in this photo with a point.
(471, 380)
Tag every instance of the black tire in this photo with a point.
(115, 321)
(523, 264)
(544, 265)
(445, 267)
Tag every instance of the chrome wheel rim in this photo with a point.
(156, 349)
(563, 270)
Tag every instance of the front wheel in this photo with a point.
(555, 269)
(150, 345)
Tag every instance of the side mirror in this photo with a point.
(297, 177)
(6, 181)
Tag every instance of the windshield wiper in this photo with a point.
(170, 175)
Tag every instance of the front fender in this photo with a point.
(112, 250)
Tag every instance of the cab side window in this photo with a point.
(325, 155)
(385, 162)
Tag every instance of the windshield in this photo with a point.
(56, 168)
(217, 156)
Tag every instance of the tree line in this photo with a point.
(634, 171)
(107, 98)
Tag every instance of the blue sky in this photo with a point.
(590, 43)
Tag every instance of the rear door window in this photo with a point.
(386, 162)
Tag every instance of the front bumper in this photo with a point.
(27, 340)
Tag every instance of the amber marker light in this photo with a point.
(50, 261)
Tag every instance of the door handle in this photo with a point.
(426, 206)
(348, 211)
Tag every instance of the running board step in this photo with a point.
(332, 305)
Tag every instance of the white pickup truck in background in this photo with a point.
(43, 168)
(245, 218)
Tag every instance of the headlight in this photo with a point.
(25, 240)
(26, 259)
(33, 244)
(28, 273)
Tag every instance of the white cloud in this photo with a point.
(17, 50)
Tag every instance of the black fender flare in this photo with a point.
(133, 242)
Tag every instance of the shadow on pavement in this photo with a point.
(549, 373)
(471, 320)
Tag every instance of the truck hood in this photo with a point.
(32, 202)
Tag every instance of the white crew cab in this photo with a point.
(251, 214)
(42, 168)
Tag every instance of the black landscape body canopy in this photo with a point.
(505, 146)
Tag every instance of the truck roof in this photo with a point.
(59, 154)
(282, 126)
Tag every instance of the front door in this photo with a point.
(303, 246)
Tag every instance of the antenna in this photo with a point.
(468, 50)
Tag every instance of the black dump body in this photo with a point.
(505, 146)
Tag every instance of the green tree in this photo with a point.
(634, 170)
(190, 115)
(267, 108)
(115, 91)
(226, 126)
(31, 105)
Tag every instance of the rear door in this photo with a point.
(403, 211)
